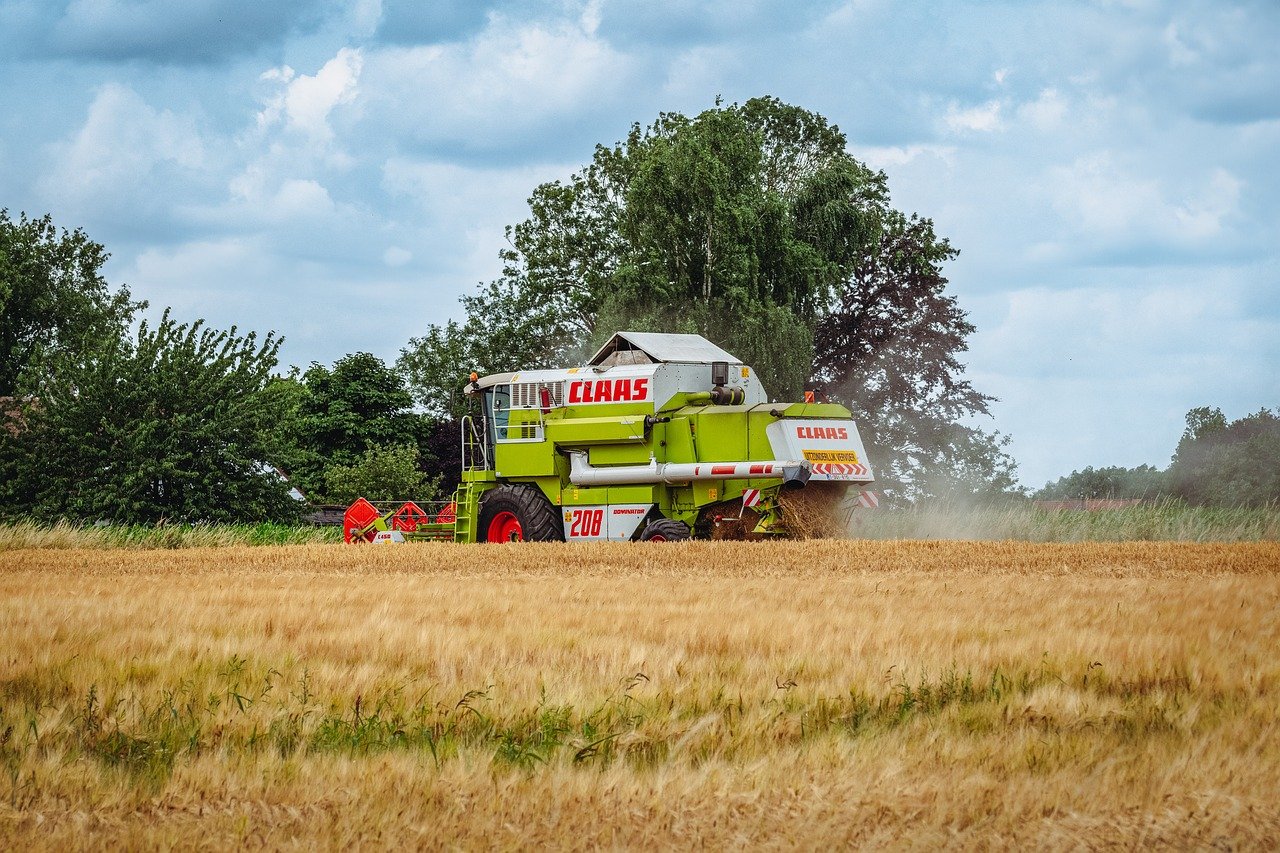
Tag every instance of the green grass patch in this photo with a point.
(1164, 521)
(143, 730)
(30, 534)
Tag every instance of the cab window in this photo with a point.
(498, 410)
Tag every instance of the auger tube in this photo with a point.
(581, 472)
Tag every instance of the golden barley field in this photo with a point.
(722, 694)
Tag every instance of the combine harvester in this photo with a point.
(658, 438)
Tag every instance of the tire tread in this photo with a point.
(668, 528)
(539, 521)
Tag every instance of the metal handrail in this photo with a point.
(471, 440)
(526, 431)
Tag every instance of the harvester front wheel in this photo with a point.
(665, 530)
(518, 513)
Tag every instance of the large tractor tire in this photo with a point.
(518, 513)
(665, 530)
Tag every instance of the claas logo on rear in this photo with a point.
(837, 433)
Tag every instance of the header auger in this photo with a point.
(658, 437)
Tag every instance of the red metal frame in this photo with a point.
(408, 517)
(359, 516)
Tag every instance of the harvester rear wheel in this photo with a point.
(665, 530)
(518, 513)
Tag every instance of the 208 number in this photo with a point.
(586, 522)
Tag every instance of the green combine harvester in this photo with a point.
(657, 438)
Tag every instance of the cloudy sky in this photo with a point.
(341, 172)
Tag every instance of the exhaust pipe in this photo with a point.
(792, 473)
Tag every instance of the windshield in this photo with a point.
(497, 411)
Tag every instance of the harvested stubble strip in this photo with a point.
(687, 559)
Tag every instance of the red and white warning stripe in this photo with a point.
(870, 500)
(750, 497)
(724, 470)
(839, 468)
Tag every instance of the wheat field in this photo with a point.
(724, 694)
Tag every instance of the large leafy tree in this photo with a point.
(752, 225)
(174, 423)
(739, 224)
(891, 344)
(343, 411)
(53, 298)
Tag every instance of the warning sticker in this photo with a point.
(848, 456)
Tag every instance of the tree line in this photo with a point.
(1216, 463)
(750, 224)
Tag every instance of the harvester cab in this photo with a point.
(657, 437)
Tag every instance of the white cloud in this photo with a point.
(1115, 204)
(983, 118)
(284, 164)
(194, 278)
(122, 143)
(699, 69)
(513, 76)
(395, 256)
(1100, 155)
(1202, 215)
(465, 210)
(1097, 195)
(1135, 323)
(259, 196)
(364, 16)
(1180, 53)
(1046, 112)
(304, 102)
(887, 157)
(468, 192)
(248, 282)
